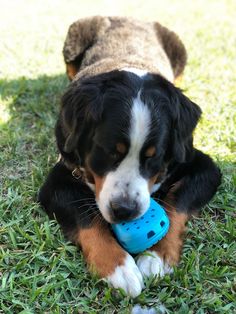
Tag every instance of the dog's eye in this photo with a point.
(149, 157)
(114, 155)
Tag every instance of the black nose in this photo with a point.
(123, 209)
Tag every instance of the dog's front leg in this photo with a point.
(166, 253)
(108, 260)
(72, 203)
(185, 198)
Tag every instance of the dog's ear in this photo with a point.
(185, 114)
(80, 37)
(173, 47)
(81, 106)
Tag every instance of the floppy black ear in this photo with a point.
(81, 105)
(185, 118)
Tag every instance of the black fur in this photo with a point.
(95, 116)
(69, 199)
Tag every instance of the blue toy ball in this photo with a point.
(140, 234)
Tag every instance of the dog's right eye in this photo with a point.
(112, 155)
(115, 155)
(102, 149)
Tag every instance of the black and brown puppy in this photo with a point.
(124, 133)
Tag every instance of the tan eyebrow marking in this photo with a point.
(150, 152)
(121, 148)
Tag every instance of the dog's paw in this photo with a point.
(150, 264)
(128, 277)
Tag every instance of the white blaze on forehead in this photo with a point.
(140, 123)
(126, 180)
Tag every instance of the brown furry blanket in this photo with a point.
(101, 44)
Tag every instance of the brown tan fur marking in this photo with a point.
(93, 178)
(102, 253)
(155, 179)
(170, 247)
(150, 152)
(152, 181)
(121, 148)
(98, 184)
(71, 70)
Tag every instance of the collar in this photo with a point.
(77, 173)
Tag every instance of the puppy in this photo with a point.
(124, 133)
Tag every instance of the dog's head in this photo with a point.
(123, 130)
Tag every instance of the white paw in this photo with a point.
(127, 277)
(152, 265)
(137, 309)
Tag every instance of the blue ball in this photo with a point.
(140, 234)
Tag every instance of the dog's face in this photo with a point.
(123, 130)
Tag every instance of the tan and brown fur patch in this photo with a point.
(150, 152)
(71, 70)
(121, 148)
(99, 181)
(152, 181)
(156, 179)
(102, 252)
(170, 247)
(93, 178)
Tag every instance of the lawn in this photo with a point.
(39, 271)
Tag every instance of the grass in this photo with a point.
(39, 271)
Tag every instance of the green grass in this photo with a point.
(39, 271)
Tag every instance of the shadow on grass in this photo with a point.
(27, 135)
(32, 96)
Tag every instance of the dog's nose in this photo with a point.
(123, 209)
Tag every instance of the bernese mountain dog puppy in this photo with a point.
(124, 133)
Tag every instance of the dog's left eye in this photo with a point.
(149, 157)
